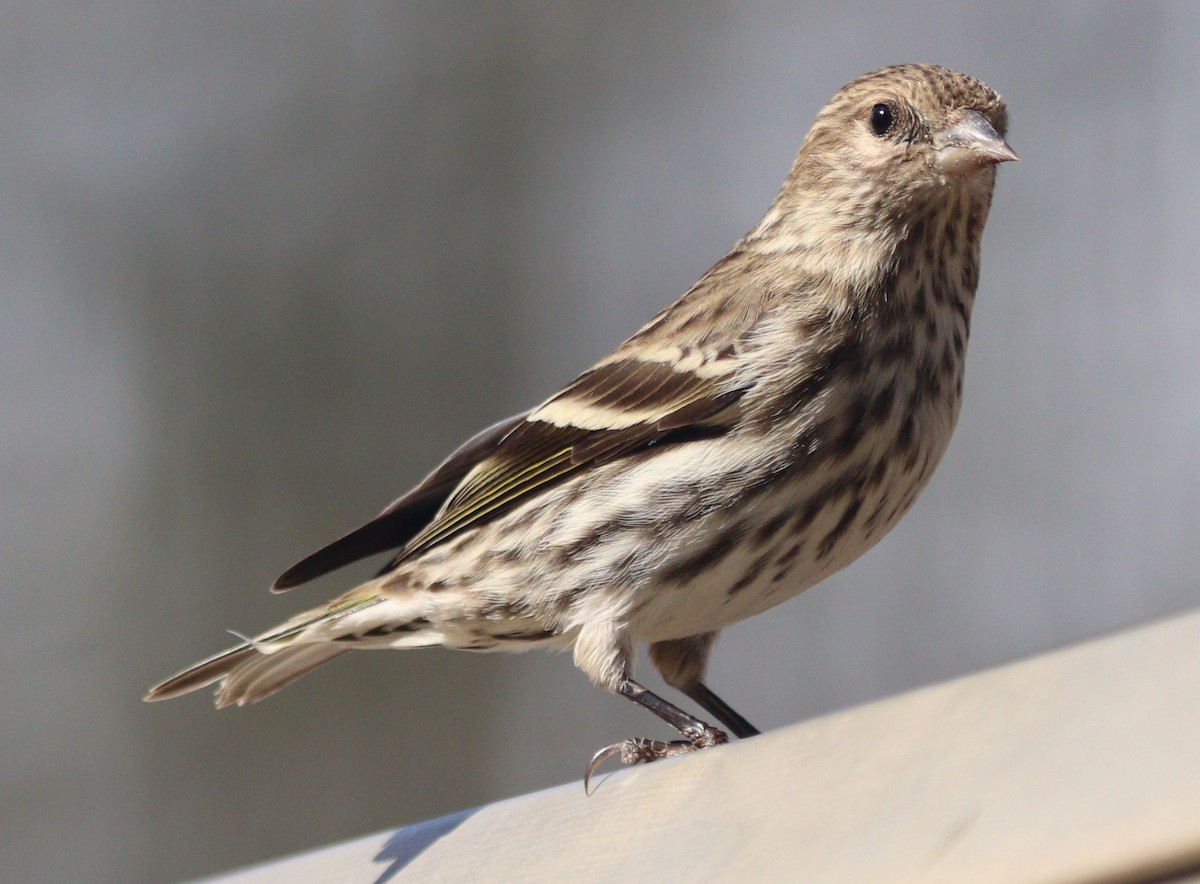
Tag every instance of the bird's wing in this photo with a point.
(612, 410)
(405, 516)
(673, 380)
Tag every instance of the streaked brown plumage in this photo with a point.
(756, 436)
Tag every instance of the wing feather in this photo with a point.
(547, 447)
(405, 516)
(673, 381)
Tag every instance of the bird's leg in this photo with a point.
(696, 731)
(721, 711)
(682, 662)
(697, 734)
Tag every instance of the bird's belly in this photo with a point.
(737, 563)
(683, 542)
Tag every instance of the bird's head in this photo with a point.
(887, 148)
(915, 127)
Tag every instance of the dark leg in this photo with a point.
(721, 711)
(682, 662)
(687, 725)
(636, 751)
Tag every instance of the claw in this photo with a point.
(598, 759)
(641, 751)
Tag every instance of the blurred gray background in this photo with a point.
(263, 265)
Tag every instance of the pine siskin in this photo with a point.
(756, 436)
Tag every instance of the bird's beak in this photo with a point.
(970, 143)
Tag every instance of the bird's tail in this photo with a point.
(260, 666)
(245, 673)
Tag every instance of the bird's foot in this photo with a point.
(642, 751)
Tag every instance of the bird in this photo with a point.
(757, 435)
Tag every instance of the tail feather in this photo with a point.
(203, 673)
(264, 664)
(246, 673)
(264, 674)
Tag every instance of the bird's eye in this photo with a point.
(882, 119)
